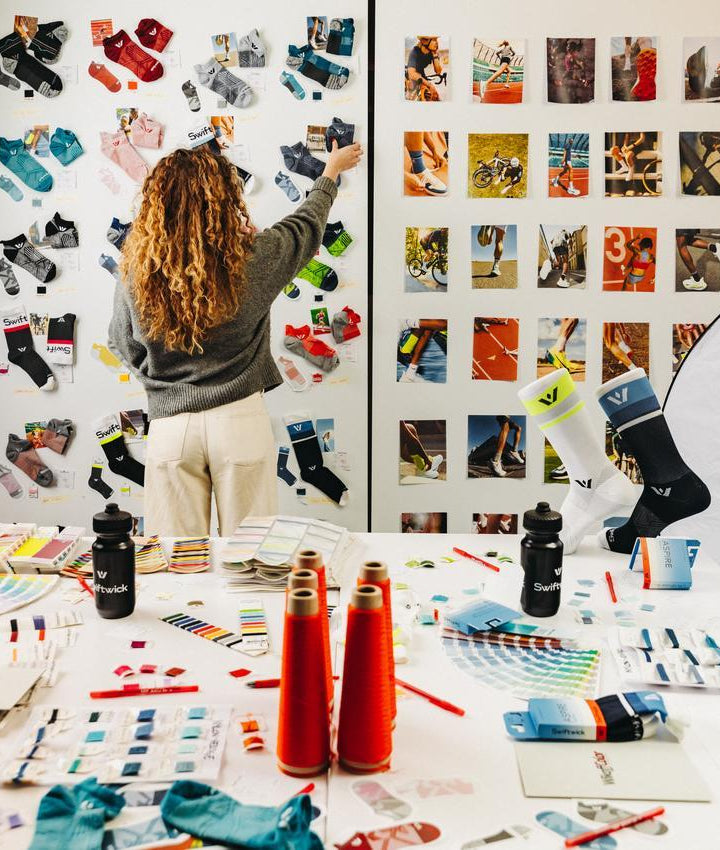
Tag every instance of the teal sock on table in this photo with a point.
(7, 185)
(64, 146)
(75, 817)
(14, 156)
(209, 814)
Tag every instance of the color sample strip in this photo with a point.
(206, 630)
(253, 627)
(190, 555)
(149, 556)
(79, 567)
(19, 590)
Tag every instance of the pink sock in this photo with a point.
(117, 148)
(146, 132)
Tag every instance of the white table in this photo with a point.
(428, 742)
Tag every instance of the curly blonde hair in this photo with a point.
(185, 256)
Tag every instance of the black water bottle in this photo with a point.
(541, 553)
(113, 563)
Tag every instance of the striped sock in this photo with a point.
(597, 488)
(672, 490)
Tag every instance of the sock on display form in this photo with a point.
(109, 435)
(21, 351)
(309, 457)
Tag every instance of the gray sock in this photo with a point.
(285, 183)
(213, 76)
(23, 455)
(191, 94)
(344, 134)
(9, 82)
(295, 346)
(109, 264)
(251, 51)
(298, 159)
(8, 279)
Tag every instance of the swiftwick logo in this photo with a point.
(549, 398)
(619, 396)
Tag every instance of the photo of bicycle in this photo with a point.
(570, 70)
(427, 65)
(426, 259)
(633, 164)
(497, 165)
(700, 162)
(498, 70)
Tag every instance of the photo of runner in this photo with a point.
(495, 349)
(497, 165)
(633, 164)
(317, 31)
(697, 259)
(562, 256)
(616, 450)
(629, 259)
(420, 523)
(496, 446)
(425, 163)
(494, 524)
(683, 339)
(568, 165)
(634, 67)
(626, 345)
(570, 70)
(700, 162)
(498, 70)
(562, 344)
(426, 259)
(422, 351)
(554, 471)
(423, 449)
(493, 256)
(701, 58)
(427, 65)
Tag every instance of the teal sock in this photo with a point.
(290, 81)
(14, 156)
(64, 146)
(8, 186)
(75, 817)
(417, 163)
(209, 814)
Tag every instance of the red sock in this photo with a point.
(122, 49)
(153, 34)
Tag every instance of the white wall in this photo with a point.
(275, 118)
(463, 20)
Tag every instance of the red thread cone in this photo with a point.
(311, 559)
(303, 578)
(364, 730)
(376, 573)
(303, 744)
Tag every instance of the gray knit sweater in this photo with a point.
(236, 361)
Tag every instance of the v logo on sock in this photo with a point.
(549, 398)
(619, 396)
(586, 483)
(662, 491)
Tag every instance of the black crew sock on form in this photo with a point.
(96, 483)
(109, 435)
(309, 457)
(21, 351)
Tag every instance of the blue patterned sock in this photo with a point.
(290, 81)
(64, 146)
(14, 156)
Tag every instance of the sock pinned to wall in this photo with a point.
(341, 36)
(21, 351)
(7, 278)
(104, 75)
(299, 160)
(61, 339)
(251, 51)
(301, 342)
(317, 68)
(27, 257)
(292, 84)
(25, 167)
(48, 40)
(95, 481)
(10, 482)
(190, 92)
(57, 434)
(21, 452)
(110, 265)
(65, 146)
(26, 68)
(340, 132)
(153, 35)
(117, 232)
(213, 76)
(117, 148)
(61, 233)
(109, 435)
(319, 275)
(7, 185)
(309, 457)
(122, 49)
(336, 239)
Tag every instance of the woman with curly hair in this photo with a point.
(191, 320)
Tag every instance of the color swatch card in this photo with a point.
(149, 555)
(216, 634)
(19, 590)
(253, 627)
(80, 566)
(190, 555)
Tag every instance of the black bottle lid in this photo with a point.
(112, 521)
(543, 518)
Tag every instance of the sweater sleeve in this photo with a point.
(283, 249)
(121, 336)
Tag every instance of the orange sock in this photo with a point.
(104, 76)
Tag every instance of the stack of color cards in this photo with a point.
(80, 567)
(190, 555)
(149, 556)
(19, 590)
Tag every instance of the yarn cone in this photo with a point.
(364, 731)
(303, 578)
(311, 559)
(303, 743)
(376, 573)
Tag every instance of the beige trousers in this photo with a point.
(228, 450)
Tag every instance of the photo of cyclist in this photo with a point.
(498, 70)
(497, 165)
(426, 259)
(703, 267)
(570, 70)
(427, 64)
(493, 250)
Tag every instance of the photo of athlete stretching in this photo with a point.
(705, 271)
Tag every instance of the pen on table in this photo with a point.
(476, 558)
(142, 692)
(623, 823)
(611, 586)
(263, 683)
(440, 703)
(85, 585)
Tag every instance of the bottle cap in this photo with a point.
(543, 518)
(112, 520)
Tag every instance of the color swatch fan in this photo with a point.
(19, 590)
(190, 555)
(149, 556)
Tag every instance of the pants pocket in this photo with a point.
(246, 440)
(166, 440)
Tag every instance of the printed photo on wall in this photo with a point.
(317, 31)
(325, 430)
(496, 446)
(498, 70)
(700, 162)
(562, 344)
(697, 259)
(427, 65)
(422, 351)
(554, 471)
(568, 165)
(420, 523)
(320, 318)
(224, 129)
(225, 49)
(497, 165)
(423, 449)
(633, 164)
(626, 345)
(133, 424)
(426, 157)
(683, 339)
(634, 67)
(629, 259)
(494, 524)
(34, 432)
(495, 349)
(426, 259)
(701, 57)
(570, 70)
(494, 256)
(562, 256)
(617, 452)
